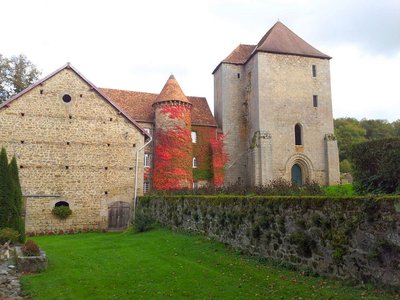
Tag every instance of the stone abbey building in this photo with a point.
(94, 149)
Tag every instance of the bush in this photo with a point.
(142, 222)
(340, 190)
(9, 234)
(31, 248)
(376, 166)
(61, 212)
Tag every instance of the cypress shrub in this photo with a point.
(376, 166)
(6, 190)
(16, 220)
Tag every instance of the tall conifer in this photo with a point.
(5, 190)
(16, 221)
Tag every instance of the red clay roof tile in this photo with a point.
(171, 91)
(139, 106)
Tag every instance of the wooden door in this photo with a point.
(118, 215)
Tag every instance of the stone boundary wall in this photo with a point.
(356, 238)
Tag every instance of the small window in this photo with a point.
(298, 135)
(238, 75)
(66, 98)
(195, 165)
(194, 136)
(61, 203)
(314, 70)
(147, 160)
(315, 100)
(146, 186)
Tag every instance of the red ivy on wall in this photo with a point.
(173, 150)
(219, 159)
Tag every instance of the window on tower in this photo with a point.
(194, 136)
(194, 162)
(298, 135)
(315, 100)
(314, 70)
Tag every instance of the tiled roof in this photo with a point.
(171, 91)
(240, 55)
(279, 39)
(139, 106)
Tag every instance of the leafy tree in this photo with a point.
(396, 128)
(376, 166)
(16, 74)
(377, 129)
(16, 221)
(348, 132)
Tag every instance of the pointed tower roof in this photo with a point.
(280, 39)
(171, 91)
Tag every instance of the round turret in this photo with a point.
(173, 144)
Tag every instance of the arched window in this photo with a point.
(61, 203)
(297, 176)
(298, 135)
(194, 162)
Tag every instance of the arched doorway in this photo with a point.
(297, 174)
(118, 215)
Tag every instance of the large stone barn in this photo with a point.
(74, 147)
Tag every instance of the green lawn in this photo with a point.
(161, 264)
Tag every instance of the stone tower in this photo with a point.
(173, 144)
(273, 102)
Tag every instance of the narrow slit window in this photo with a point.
(298, 135)
(314, 70)
(315, 100)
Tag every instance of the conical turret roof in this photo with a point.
(171, 92)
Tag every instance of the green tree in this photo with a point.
(5, 190)
(377, 129)
(16, 221)
(348, 132)
(396, 128)
(16, 74)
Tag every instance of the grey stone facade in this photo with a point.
(259, 101)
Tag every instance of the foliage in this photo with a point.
(16, 220)
(345, 166)
(9, 235)
(277, 187)
(61, 212)
(143, 222)
(376, 166)
(30, 248)
(350, 131)
(171, 265)
(340, 190)
(173, 151)
(10, 196)
(219, 159)
(6, 190)
(16, 74)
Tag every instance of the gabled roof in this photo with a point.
(279, 39)
(171, 91)
(139, 106)
(69, 66)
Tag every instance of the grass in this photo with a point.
(340, 190)
(162, 264)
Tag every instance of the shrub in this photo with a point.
(61, 212)
(30, 248)
(143, 222)
(376, 166)
(9, 234)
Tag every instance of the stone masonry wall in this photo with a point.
(81, 152)
(355, 238)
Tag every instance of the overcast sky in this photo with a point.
(136, 45)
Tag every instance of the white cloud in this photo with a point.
(136, 45)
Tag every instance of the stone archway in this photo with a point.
(119, 214)
(299, 169)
